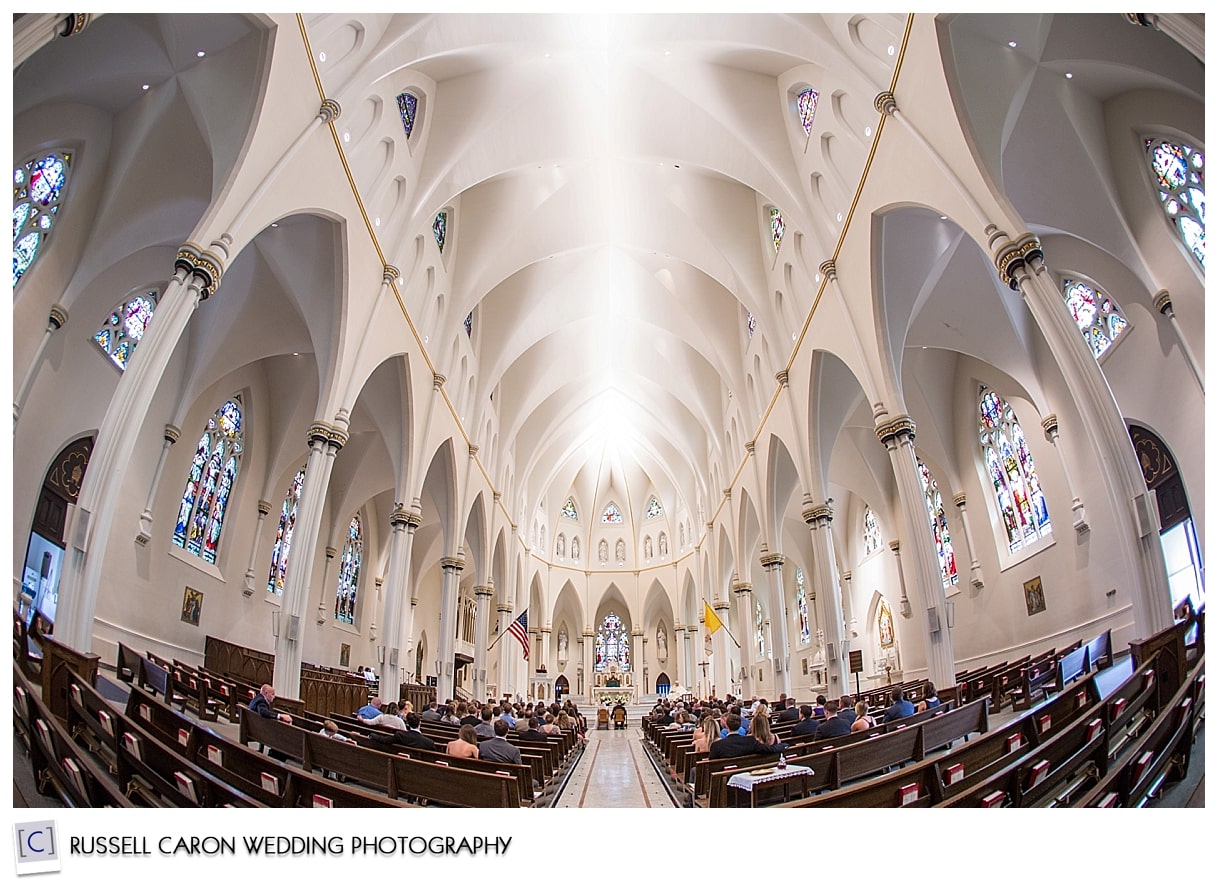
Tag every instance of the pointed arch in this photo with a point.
(209, 484)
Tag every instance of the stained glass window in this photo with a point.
(807, 109)
(1096, 314)
(871, 532)
(654, 509)
(612, 514)
(283, 536)
(1008, 463)
(125, 327)
(777, 228)
(612, 644)
(38, 187)
(759, 627)
(938, 526)
(407, 105)
(568, 509)
(469, 325)
(801, 604)
(348, 573)
(439, 229)
(213, 471)
(1178, 170)
(750, 322)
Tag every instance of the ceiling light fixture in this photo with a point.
(892, 49)
(1069, 75)
(200, 53)
(867, 131)
(145, 87)
(1012, 44)
(275, 224)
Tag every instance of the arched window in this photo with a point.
(125, 327)
(612, 644)
(777, 228)
(212, 475)
(759, 627)
(1178, 171)
(348, 573)
(568, 510)
(871, 532)
(654, 509)
(38, 187)
(408, 105)
(801, 604)
(283, 536)
(806, 108)
(1008, 463)
(612, 514)
(938, 526)
(1096, 314)
(439, 229)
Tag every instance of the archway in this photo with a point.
(562, 687)
(663, 684)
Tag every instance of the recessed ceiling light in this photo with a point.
(145, 87)
(200, 53)
(892, 50)
(867, 131)
(1069, 75)
(839, 217)
(275, 224)
(1012, 44)
(818, 277)
(547, 55)
(943, 217)
(346, 137)
(296, 353)
(378, 221)
(666, 52)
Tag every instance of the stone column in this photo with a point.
(172, 433)
(325, 440)
(482, 601)
(589, 672)
(1163, 304)
(196, 276)
(970, 546)
(323, 606)
(772, 563)
(545, 648)
(1021, 264)
(507, 643)
(721, 673)
(637, 661)
(680, 663)
(743, 592)
(56, 320)
(1187, 30)
(926, 591)
(449, 588)
(391, 652)
(264, 509)
(1079, 521)
(34, 30)
(819, 519)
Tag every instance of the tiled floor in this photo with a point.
(614, 772)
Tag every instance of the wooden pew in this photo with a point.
(445, 785)
(1070, 667)
(58, 660)
(128, 663)
(59, 764)
(1036, 680)
(1099, 651)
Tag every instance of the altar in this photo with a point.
(607, 696)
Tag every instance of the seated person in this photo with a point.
(329, 729)
(533, 732)
(931, 699)
(371, 710)
(738, 744)
(465, 744)
(808, 721)
(388, 718)
(819, 710)
(498, 749)
(900, 707)
(486, 728)
(832, 726)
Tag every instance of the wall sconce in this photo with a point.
(380, 654)
(949, 610)
(275, 623)
(906, 608)
(932, 619)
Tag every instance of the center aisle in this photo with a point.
(614, 772)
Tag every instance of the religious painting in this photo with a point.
(1034, 596)
(192, 606)
(884, 622)
(344, 656)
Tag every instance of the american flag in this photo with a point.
(520, 630)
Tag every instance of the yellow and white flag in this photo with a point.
(712, 625)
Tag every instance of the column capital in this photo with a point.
(812, 514)
(848, 575)
(1014, 256)
(893, 429)
(58, 316)
(264, 508)
(588, 632)
(504, 608)
(75, 23)
(330, 110)
(404, 516)
(958, 500)
(829, 270)
(772, 560)
(484, 591)
(391, 274)
(742, 587)
(437, 381)
(171, 433)
(452, 564)
(720, 604)
(473, 451)
(1162, 302)
(895, 545)
(750, 447)
(636, 632)
(207, 265)
(1049, 424)
(727, 494)
(379, 583)
(886, 103)
(329, 433)
(330, 552)
(783, 378)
